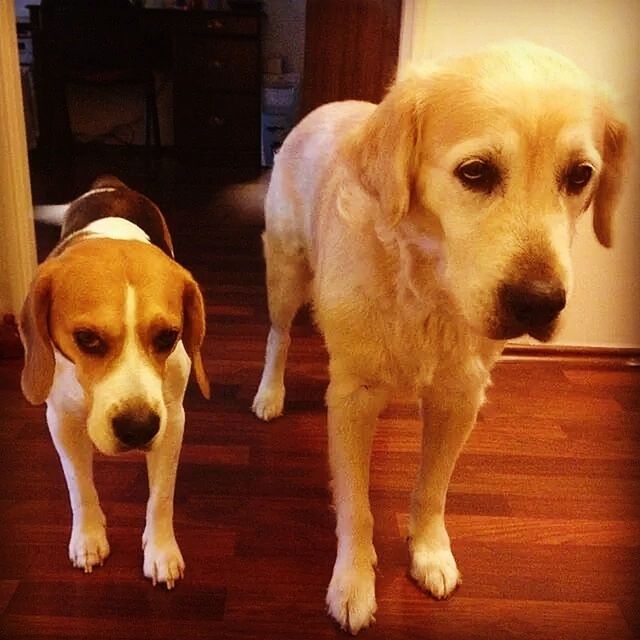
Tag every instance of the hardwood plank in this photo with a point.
(7, 589)
(458, 618)
(532, 531)
(112, 600)
(123, 627)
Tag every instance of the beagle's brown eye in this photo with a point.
(478, 175)
(165, 340)
(90, 342)
(578, 177)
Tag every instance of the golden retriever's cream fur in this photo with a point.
(426, 231)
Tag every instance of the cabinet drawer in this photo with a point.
(222, 24)
(218, 63)
(225, 124)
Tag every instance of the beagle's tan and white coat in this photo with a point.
(111, 327)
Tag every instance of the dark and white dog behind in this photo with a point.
(111, 327)
(426, 231)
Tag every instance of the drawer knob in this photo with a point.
(216, 121)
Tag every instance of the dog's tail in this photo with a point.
(50, 213)
(245, 200)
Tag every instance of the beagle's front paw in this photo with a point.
(269, 401)
(88, 546)
(351, 597)
(163, 561)
(435, 571)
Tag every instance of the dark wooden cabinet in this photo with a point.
(216, 69)
(214, 60)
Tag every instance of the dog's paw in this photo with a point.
(435, 571)
(268, 402)
(351, 598)
(88, 547)
(163, 562)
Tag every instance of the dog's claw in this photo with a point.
(351, 599)
(163, 563)
(268, 403)
(436, 572)
(88, 547)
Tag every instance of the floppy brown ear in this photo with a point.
(383, 151)
(193, 330)
(610, 183)
(39, 363)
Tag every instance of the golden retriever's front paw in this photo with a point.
(163, 561)
(435, 571)
(351, 598)
(88, 546)
(269, 402)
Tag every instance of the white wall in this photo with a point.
(602, 36)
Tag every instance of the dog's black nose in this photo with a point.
(533, 303)
(135, 428)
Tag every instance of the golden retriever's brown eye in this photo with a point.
(90, 342)
(578, 177)
(165, 340)
(478, 175)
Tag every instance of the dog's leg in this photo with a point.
(448, 417)
(163, 560)
(288, 279)
(88, 546)
(353, 412)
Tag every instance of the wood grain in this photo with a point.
(351, 50)
(543, 510)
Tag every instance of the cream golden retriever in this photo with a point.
(427, 230)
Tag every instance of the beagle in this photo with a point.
(111, 328)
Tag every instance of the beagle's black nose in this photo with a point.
(533, 304)
(136, 427)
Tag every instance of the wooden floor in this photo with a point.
(543, 509)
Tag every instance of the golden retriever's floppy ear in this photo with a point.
(382, 151)
(193, 330)
(39, 363)
(610, 183)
